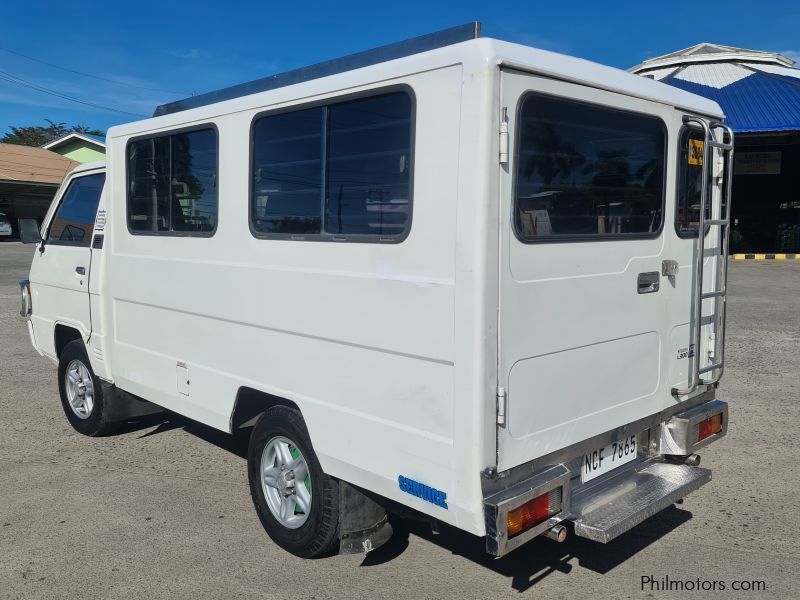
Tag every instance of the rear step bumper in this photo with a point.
(607, 510)
(527, 501)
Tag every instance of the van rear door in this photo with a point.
(586, 319)
(60, 268)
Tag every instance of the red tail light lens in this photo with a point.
(534, 512)
(709, 427)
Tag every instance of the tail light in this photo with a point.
(709, 427)
(534, 512)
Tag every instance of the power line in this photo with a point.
(152, 89)
(22, 82)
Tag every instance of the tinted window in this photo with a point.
(342, 169)
(369, 145)
(172, 183)
(690, 178)
(74, 220)
(585, 171)
(287, 187)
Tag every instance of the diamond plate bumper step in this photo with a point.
(604, 511)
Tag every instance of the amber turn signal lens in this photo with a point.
(533, 512)
(709, 427)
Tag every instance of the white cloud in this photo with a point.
(190, 54)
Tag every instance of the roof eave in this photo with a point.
(728, 57)
(66, 138)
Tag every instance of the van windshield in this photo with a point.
(73, 223)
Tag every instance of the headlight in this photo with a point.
(25, 292)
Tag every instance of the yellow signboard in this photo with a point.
(696, 152)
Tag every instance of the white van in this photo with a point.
(454, 275)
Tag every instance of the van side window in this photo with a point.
(172, 184)
(287, 182)
(587, 172)
(73, 222)
(342, 169)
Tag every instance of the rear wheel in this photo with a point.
(81, 392)
(297, 503)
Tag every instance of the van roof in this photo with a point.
(90, 166)
(412, 56)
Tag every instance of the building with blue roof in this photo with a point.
(760, 95)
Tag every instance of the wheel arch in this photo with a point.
(64, 334)
(251, 403)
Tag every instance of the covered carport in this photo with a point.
(760, 95)
(29, 177)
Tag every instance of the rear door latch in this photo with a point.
(669, 268)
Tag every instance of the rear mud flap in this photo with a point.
(363, 525)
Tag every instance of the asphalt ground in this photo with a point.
(162, 509)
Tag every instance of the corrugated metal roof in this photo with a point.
(706, 52)
(753, 101)
(758, 91)
(716, 76)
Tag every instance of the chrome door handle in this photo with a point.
(647, 283)
(80, 270)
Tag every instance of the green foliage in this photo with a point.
(37, 135)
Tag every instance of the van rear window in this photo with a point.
(172, 183)
(336, 170)
(690, 180)
(584, 171)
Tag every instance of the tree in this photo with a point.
(38, 135)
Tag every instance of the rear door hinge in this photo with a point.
(501, 406)
(504, 136)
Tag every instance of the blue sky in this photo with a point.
(153, 52)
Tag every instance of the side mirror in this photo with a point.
(29, 231)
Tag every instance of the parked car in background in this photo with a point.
(5, 225)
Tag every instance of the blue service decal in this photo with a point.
(427, 493)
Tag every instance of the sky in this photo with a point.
(124, 58)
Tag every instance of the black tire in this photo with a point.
(319, 535)
(97, 422)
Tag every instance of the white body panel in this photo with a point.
(60, 293)
(389, 350)
(581, 351)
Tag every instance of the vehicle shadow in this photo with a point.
(540, 557)
(526, 566)
(165, 421)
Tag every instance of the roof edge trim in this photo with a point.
(423, 43)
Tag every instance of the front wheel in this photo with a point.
(297, 503)
(81, 392)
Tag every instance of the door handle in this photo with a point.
(80, 270)
(649, 282)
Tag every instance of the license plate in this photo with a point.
(608, 458)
